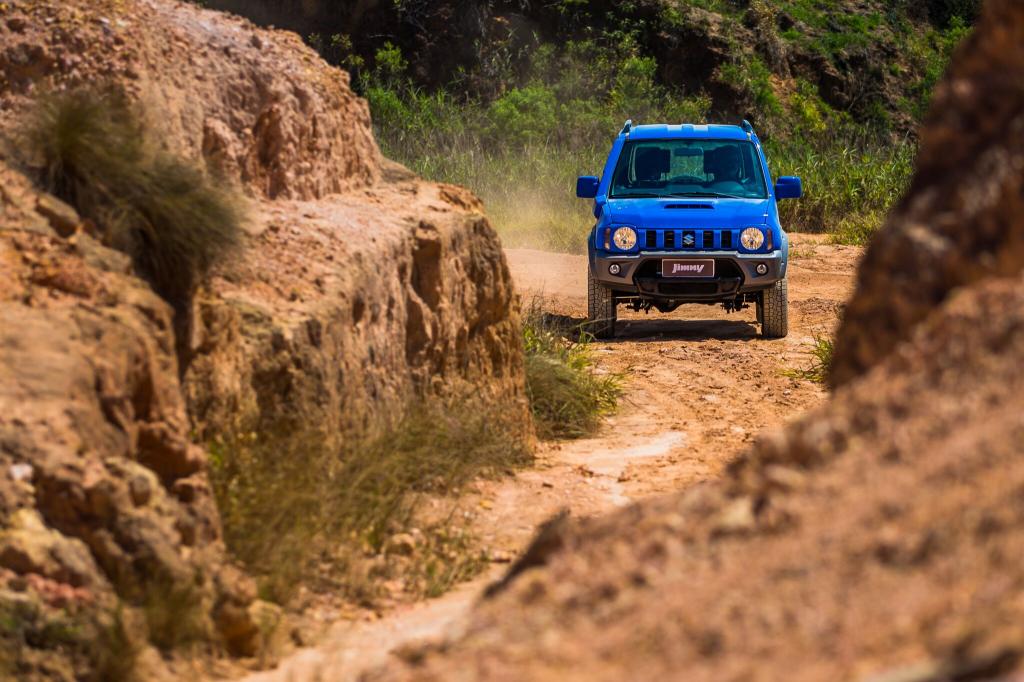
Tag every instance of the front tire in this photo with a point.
(773, 311)
(600, 308)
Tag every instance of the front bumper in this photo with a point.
(735, 274)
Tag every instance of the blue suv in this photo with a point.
(687, 214)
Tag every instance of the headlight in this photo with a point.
(624, 238)
(752, 239)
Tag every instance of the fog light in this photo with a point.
(762, 269)
(615, 268)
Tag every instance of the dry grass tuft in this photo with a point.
(91, 149)
(568, 395)
(294, 509)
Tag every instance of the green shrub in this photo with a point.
(91, 149)
(821, 364)
(290, 503)
(568, 395)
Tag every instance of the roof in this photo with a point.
(686, 131)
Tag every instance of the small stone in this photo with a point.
(256, 42)
(140, 489)
(784, 478)
(62, 218)
(20, 472)
(736, 518)
(403, 544)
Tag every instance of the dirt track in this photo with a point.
(700, 384)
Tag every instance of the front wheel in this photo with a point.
(773, 311)
(600, 309)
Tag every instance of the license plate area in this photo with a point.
(688, 267)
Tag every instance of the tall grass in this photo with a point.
(568, 394)
(295, 510)
(522, 152)
(91, 148)
(848, 186)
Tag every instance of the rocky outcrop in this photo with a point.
(961, 219)
(103, 497)
(875, 538)
(359, 289)
(344, 310)
(254, 105)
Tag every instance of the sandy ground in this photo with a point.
(700, 383)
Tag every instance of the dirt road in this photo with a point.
(700, 384)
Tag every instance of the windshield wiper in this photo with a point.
(638, 195)
(715, 195)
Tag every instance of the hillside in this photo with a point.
(515, 99)
(875, 61)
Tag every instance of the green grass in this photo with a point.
(91, 149)
(821, 364)
(568, 394)
(848, 186)
(296, 510)
(521, 152)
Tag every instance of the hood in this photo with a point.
(682, 212)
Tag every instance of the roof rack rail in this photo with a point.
(627, 127)
(747, 128)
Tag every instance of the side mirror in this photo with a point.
(586, 187)
(789, 187)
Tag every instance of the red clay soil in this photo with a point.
(881, 533)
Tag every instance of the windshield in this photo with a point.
(689, 168)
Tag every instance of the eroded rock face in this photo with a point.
(256, 105)
(103, 497)
(340, 311)
(961, 221)
(343, 310)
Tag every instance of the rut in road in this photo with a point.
(700, 383)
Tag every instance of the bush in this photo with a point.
(289, 502)
(91, 149)
(568, 395)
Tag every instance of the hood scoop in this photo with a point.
(689, 206)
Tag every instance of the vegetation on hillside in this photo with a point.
(92, 149)
(349, 518)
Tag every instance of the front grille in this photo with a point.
(708, 240)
